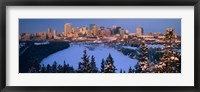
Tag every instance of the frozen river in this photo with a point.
(73, 54)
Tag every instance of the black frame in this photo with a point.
(4, 3)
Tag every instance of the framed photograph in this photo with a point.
(113, 45)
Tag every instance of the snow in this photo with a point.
(129, 47)
(155, 46)
(73, 54)
(41, 43)
(149, 46)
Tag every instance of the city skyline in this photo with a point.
(148, 25)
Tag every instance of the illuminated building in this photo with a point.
(67, 29)
(55, 33)
(95, 30)
(50, 36)
(139, 31)
(126, 31)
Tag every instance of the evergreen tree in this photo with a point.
(49, 70)
(43, 69)
(120, 70)
(60, 68)
(142, 65)
(170, 62)
(64, 67)
(54, 67)
(94, 69)
(32, 70)
(102, 65)
(109, 65)
(34, 67)
(84, 67)
(130, 70)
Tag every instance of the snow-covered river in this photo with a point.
(73, 54)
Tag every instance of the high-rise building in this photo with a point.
(118, 30)
(83, 30)
(55, 33)
(121, 31)
(108, 32)
(139, 30)
(88, 32)
(126, 32)
(49, 34)
(113, 30)
(44, 36)
(67, 28)
(95, 29)
(91, 26)
(75, 30)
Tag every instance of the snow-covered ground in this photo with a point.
(148, 45)
(129, 47)
(73, 54)
(155, 46)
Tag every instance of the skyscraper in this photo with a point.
(139, 31)
(67, 28)
(118, 30)
(91, 26)
(95, 29)
(49, 33)
(113, 29)
(55, 34)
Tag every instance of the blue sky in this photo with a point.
(149, 25)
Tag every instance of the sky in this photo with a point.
(130, 24)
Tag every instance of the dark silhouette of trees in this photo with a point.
(54, 67)
(120, 70)
(102, 65)
(84, 67)
(130, 70)
(94, 69)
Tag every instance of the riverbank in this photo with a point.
(33, 55)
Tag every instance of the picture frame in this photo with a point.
(4, 3)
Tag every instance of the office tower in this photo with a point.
(121, 31)
(113, 29)
(82, 30)
(55, 33)
(126, 32)
(95, 29)
(108, 32)
(118, 30)
(139, 31)
(91, 26)
(75, 30)
(40, 34)
(49, 34)
(44, 36)
(67, 29)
